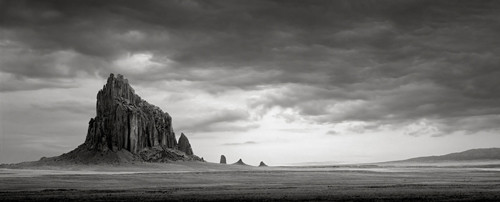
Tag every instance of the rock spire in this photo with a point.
(184, 145)
(222, 159)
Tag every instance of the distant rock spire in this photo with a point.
(222, 159)
(262, 164)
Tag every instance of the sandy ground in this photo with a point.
(213, 182)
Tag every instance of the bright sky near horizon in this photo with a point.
(282, 82)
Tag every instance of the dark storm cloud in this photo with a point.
(383, 62)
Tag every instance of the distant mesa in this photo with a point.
(240, 162)
(262, 164)
(222, 159)
(127, 128)
(486, 154)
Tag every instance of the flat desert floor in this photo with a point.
(190, 181)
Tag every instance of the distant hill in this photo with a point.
(240, 162)
(469, 155)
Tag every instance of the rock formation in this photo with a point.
(125, 121)
(184, 145)
(262, 164)
(222, 159)
(128, 126)
(240, 162)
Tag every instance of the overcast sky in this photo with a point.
(279, 81)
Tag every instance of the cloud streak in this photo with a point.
(240, 143)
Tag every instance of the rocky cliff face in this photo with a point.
(125, 121)
(127, 124)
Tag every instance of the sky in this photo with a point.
(284, 82)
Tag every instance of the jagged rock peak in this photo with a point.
(116, 89)
(262, 164)
(125, 121)
(222, 159)
(184, 145)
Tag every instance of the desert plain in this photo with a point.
(201, 181)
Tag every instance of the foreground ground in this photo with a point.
(205, 181)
